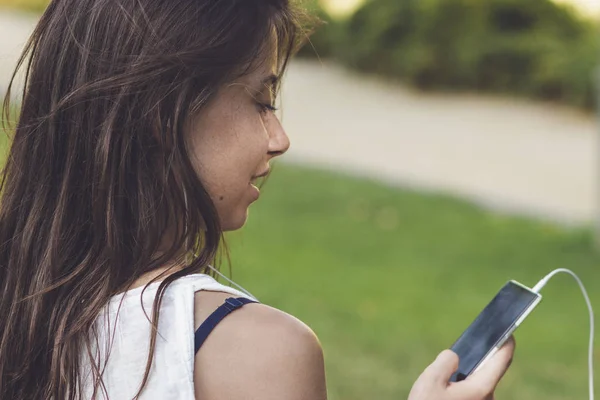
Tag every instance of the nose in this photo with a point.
(279, 142)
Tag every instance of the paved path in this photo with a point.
(509, 154)
(14, 31)
(506, 153)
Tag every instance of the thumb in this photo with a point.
(443, 367)
(490, 374)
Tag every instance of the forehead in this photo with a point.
(263, 67)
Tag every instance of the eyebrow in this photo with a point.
(270, 80)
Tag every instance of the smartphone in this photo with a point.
(493, 327)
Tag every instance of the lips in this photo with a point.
(261, 175)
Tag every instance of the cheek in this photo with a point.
(228, 163)
(230, 145)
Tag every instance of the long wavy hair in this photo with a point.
(99, 174)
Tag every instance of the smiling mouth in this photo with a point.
(262, 175)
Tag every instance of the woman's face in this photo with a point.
(233, 139)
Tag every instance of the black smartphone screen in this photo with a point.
(490, 327)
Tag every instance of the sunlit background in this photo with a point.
(439, 149)
(343, 8)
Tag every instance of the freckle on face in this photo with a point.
(221, 198)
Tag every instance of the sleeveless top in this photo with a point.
(172, 371)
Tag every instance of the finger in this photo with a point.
(494, 369)
(443, 367)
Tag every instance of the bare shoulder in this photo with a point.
(257, 352)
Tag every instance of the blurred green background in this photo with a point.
(388, 277)
(534, 48)
(25, 5)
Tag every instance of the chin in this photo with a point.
(235, 222)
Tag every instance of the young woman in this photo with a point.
(143, 128)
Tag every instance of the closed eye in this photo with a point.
(265, 107)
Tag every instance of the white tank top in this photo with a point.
(172, 371)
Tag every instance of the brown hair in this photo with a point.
(98, 170)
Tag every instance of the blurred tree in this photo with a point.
(535, 47)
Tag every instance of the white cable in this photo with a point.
(214, 269)
(232, 282)
(540, 285)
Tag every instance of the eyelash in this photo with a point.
(264, 107)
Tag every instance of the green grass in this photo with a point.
(5, 136)
(388, 278)
(25, 5)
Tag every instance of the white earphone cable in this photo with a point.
(540, 285)
(232, 282)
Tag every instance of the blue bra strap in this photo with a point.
(230, 305)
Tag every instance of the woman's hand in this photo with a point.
(433, 382)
